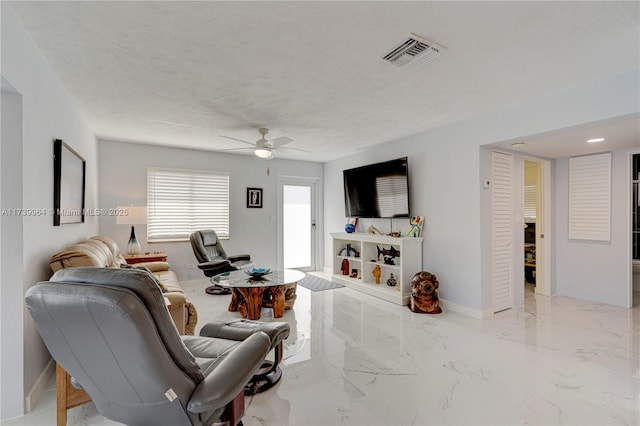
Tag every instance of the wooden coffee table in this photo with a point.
(247, 294)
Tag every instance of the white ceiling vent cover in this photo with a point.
(413, 52)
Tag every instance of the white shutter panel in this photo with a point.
(180, 202)
(502, 228)
(590, 197)
(530, 202)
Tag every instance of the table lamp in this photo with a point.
(136, 215)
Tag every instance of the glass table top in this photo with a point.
(242, 279)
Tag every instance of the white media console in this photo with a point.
(363, 252)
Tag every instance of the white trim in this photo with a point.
(632, 263)
(473, 313)
(39, 386)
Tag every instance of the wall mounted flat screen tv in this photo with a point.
(378, 190)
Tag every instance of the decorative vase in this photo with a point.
(133, 246)
(392, 281)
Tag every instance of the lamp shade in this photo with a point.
(136, 215)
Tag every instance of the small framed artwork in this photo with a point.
(254, 198)
(68, 184)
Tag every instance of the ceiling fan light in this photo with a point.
(263, 152)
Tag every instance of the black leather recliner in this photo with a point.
(213, 260)
(110, 330)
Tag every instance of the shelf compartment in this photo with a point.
(406, 253)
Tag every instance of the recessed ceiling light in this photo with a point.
(517, 145)
(594, 140)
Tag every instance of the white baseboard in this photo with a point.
(39, 386)
(473, 313)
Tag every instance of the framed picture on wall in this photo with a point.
(68, 184)
(254, 198)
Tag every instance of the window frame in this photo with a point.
(219, 181)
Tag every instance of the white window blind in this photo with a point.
(180, 202)
(590, 197)
(530, 202)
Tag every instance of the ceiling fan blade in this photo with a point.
(239, 140)
(233, 149)
(283, 140)
(293, 149)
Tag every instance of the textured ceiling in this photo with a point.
(184, 73)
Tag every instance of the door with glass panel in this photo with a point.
(297, 224)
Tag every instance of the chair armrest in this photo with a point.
(214, 264)
(177, 299)
(154, 266)
(229, 377)
(239, 257)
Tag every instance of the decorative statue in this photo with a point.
(388, 254)
(377, 272)
(424, 295)
(345, 267)
(372, 230)
(392, 281)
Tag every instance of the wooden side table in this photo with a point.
(67, 396)
(156, 256)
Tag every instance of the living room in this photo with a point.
(447, 164)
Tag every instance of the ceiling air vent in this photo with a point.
(413, 52)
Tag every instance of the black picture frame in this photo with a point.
(254, 198)
(69, 174)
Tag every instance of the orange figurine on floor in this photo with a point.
(377, 272)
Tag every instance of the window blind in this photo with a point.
(530, 202)
(590, 197)
(180, 202)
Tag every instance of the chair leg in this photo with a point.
(234, 410)
(268, 375)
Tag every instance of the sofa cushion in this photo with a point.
(169, 281)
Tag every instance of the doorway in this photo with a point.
(298, 218)
(537, 215)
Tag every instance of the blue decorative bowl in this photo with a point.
(350, 228)
(257, 273)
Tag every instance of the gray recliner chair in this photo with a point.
(213, 259)
(111, 331)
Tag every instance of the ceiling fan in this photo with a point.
(264, 147)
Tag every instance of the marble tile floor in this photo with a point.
(356, 360)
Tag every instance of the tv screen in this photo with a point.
(378, 190)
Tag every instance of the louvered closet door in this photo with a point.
(502, 214)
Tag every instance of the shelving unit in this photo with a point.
(364, 257)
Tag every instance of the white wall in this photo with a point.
(595, 270)
(48, 113)
(11, 275)
(123, 181)
(446, 181)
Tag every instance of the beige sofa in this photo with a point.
(103, 252)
